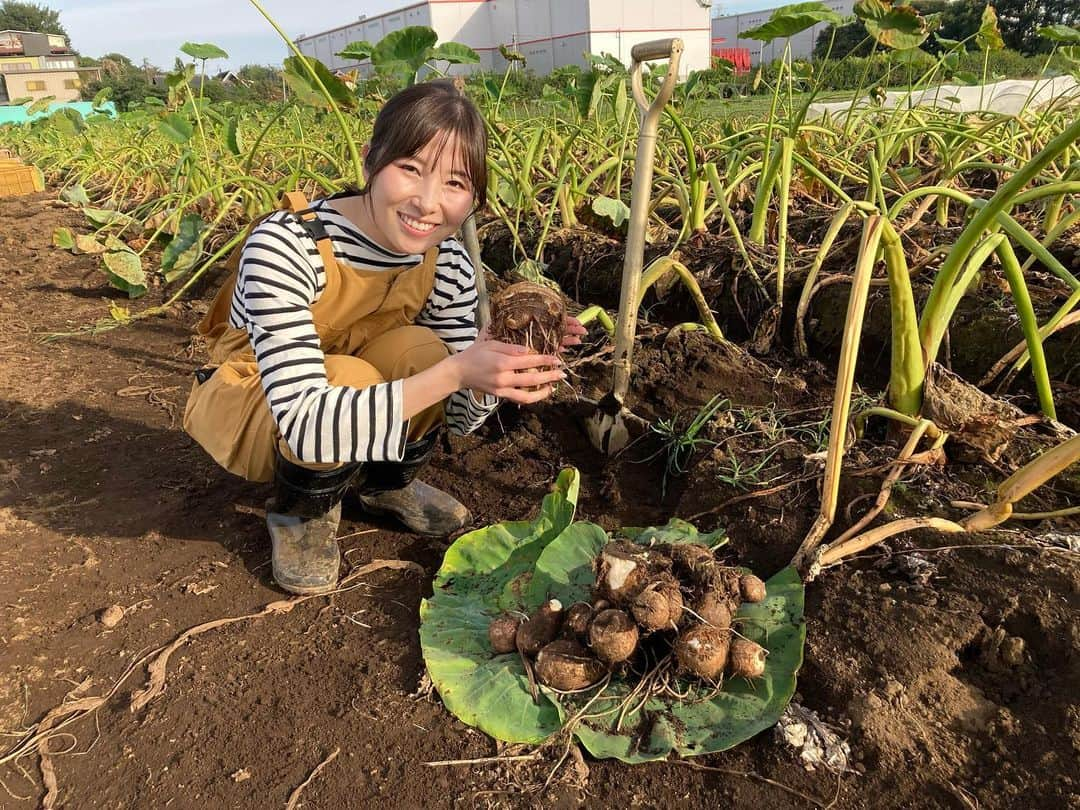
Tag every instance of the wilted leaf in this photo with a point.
(181, 254)
(790, 20)
(203, 50)
(64, 239)
(898, 27)
(88, 243)
(615, 210)
(106, 216)
(124, 271)
(988, 37)
(75, 195)
(511, 56)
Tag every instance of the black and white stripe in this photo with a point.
(281, 276)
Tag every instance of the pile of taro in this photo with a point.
(647, 603)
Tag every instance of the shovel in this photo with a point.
(607, 425)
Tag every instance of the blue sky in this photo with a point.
(155, 29)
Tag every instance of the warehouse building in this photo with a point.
(549, 33)
(726, 31)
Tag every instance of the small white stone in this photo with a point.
(111, 616)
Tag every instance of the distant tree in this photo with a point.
(20, 16)
(1020, 21)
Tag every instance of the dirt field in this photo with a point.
(955, 686)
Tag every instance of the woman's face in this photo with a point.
(414, 203)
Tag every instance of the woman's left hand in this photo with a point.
(572, 332)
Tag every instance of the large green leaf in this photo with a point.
(203, 50)
(790, 20)
(232, 136)
(41, 105)
(176, 128)
(411, 45)
(519, 565)
(307, 90)
(103, 95)
(456, 54)
(124, 271)
(68, 121)
(359, 51)
(894, 26)
(483, 573)
(1061, 33)
(181, 254)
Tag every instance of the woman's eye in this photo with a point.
(408, 167)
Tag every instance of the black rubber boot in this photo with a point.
(303, 518)
(385, 487)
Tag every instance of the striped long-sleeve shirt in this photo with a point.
(281, 276)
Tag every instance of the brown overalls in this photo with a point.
(364, 319)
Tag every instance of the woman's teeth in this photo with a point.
(416, 224)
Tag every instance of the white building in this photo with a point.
(726, 30)
(549, 33)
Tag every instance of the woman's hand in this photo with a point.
(507, 370)
(572, 332)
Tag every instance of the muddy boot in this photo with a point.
(303, 518)
(391, 488)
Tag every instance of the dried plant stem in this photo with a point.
(294, 797)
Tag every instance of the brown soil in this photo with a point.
(105, 501)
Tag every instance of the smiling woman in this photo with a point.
(347, 339)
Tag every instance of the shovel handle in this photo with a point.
(653, 50)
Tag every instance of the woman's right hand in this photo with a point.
(507, 370)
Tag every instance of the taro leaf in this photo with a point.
(483, 573)
(620, 102)
(68, 121)
(405, 50)
(125, 272)
(20, 101)
(40, 105)
(358, 51)
(615, 210)
(181, 254)
(176, 128)
(519, 565)
(1061, 33)
(676, 531)
(153, 101)
(511, 56)
(790, 20)
(103, 95)
(456, 54)
(64, 239)
(75, 195)
(898, 26)
(309, 92)
(232, 136)
(988, 37)
(106, 216)
(203, 50)
(88, 243)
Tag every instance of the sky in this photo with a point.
(155, 29)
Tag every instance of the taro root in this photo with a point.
(659, 605)
(703, 651)
(502, 632)
(751, 588)
(691, 560)
(566, 665)
(747, 659)
(540, 629)
(613, 636)
(622, 570)
(576, 623)
(714, 610)
(528, 315)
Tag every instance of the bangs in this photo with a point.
(423, 113)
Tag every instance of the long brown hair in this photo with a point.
(420, 113)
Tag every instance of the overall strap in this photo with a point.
(296, 203)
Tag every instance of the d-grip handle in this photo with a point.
(653, 50)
